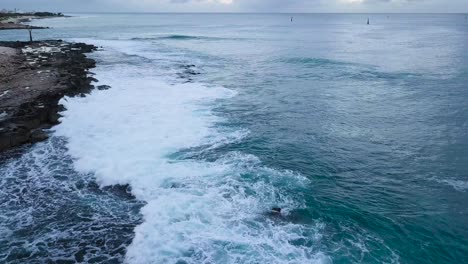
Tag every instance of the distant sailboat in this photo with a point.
(292, 18)
(368, 21)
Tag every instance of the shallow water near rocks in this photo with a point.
(358, 133)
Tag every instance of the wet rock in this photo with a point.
(276, 210)
(123, 191)
(38, 135)
(49, 70)
(103, 87)
(275, 214)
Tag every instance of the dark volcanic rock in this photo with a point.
(33, 78)
(276, 210)
(103, 87)
(11, 25)
(38, 135)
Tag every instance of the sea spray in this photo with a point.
(196, 211)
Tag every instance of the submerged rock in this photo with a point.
(103, 87)
(276, 210)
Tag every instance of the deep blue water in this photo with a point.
(358, 132)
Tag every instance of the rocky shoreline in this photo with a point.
(15, 20)
(6, 26)
(33, 78)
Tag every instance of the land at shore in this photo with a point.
(6, 26)
(33, 78)
(15, 20)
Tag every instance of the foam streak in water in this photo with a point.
(197, 211)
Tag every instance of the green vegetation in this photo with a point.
(47, 14)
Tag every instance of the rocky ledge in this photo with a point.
(5, 26)
(33, 78)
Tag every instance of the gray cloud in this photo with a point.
(239, 5)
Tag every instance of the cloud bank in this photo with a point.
(436, 6)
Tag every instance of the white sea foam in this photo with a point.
(3, 115)
(4, 93)
(458, 185)
(197, 211)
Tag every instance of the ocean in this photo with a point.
(359, 133)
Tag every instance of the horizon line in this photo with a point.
(228, 12)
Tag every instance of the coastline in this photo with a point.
(15, 20)
(33, 78)
(8, 26)
(225, 142)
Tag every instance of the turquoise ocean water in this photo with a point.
(358, 132)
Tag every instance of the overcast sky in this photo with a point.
(436, 6)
